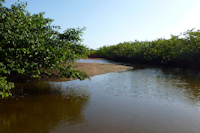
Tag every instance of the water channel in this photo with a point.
(143, 100)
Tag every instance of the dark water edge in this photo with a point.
(184, 64)
(145, 99)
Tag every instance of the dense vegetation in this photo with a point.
(93, 54)
(29, 46)
(180, 51)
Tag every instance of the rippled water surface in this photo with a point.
(145, 100)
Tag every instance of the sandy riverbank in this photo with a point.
(97, 68)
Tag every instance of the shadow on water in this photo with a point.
(45, 106)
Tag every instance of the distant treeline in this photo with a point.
(180, 51)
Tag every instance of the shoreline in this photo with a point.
(93, 69)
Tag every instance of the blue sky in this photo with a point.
(110, 22)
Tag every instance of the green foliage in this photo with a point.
(29, 43)
(5, 87)
(93, 54)
(181, 51)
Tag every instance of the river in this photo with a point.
(143, 100)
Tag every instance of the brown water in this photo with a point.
(148, 100)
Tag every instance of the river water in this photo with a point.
(142, 100)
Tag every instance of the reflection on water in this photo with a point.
(45, 107)
(140, 100)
